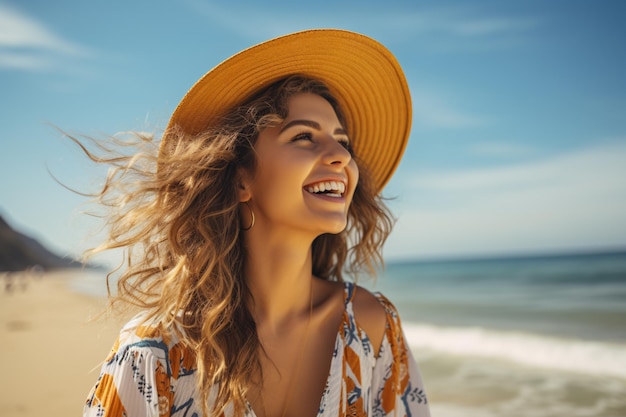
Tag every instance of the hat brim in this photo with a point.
(360, 72)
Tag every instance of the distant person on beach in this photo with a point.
(245, 229)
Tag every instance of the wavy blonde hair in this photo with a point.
(176, 214)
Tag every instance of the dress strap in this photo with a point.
(349, 292)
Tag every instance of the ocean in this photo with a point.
(516, 337)
(537, 336)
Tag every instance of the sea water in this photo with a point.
(518, 337)
(534, 336)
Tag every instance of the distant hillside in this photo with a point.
(19, 252)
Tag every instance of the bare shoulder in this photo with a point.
(370, 316)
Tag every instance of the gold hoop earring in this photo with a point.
(251, 215)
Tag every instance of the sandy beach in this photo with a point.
(51, 348)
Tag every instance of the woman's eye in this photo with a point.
(302, 136)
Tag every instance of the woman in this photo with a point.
(262, 197)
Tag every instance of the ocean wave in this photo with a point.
(586, 357)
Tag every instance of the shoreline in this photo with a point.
(54, 340)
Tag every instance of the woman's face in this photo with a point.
(305, 175)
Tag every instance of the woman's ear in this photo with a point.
(243, 186)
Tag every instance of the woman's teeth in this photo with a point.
(330, 188)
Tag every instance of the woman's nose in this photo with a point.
(335, 153)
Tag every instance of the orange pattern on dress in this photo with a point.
(105, 394)
(182, 359)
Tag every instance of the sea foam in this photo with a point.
(586, 357)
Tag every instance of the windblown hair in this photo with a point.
(176, 214)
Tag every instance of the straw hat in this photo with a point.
(360, 72)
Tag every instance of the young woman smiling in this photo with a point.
(241, 228)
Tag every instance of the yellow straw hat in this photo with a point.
(360, 72)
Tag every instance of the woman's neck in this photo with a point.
(279, 275)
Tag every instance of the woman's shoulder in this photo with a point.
(151, 340)
(371, 314)
(147, 332)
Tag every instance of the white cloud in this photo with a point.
(488, 26)
(28, 44)
(500, 149)
(23, 61)
(455, 22)
(452, 22)
(595, 166)
(433, 110)
(573, 201)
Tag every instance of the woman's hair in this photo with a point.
(175, 212)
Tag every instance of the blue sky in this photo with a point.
(519, 132)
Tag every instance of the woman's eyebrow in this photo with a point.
(311, 124)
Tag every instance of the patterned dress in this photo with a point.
(149, 373)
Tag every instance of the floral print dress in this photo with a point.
(149, 373)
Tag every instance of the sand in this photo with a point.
(50, 351)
